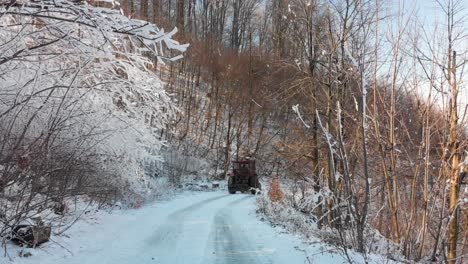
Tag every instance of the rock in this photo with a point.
(24, 254)
(60, 208)
(31, 236)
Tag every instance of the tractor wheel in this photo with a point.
(230, 182)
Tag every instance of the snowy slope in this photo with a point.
(210, 227)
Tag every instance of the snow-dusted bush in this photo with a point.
(80, 105)
(278, 206)
(295, 211)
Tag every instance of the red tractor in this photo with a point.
(243, 177)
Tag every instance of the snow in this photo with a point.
(295, 108)
(203, 227)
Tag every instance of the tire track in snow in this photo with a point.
(158, 244)
(164, 242)
(230, 243)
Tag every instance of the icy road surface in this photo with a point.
(194, 228)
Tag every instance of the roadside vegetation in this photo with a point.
(78, 108)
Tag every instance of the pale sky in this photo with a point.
(432, 19)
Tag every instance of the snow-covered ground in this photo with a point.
(201, 227)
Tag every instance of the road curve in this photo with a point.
(193, 228)
(206, 232)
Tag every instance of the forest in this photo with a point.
(355, 110)
(355, 100)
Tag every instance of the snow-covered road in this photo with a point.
(193, 228)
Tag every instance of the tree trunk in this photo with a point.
(181, 17)
(455, 161)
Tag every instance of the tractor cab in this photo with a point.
(244, 167)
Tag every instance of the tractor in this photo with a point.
(243, 177)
